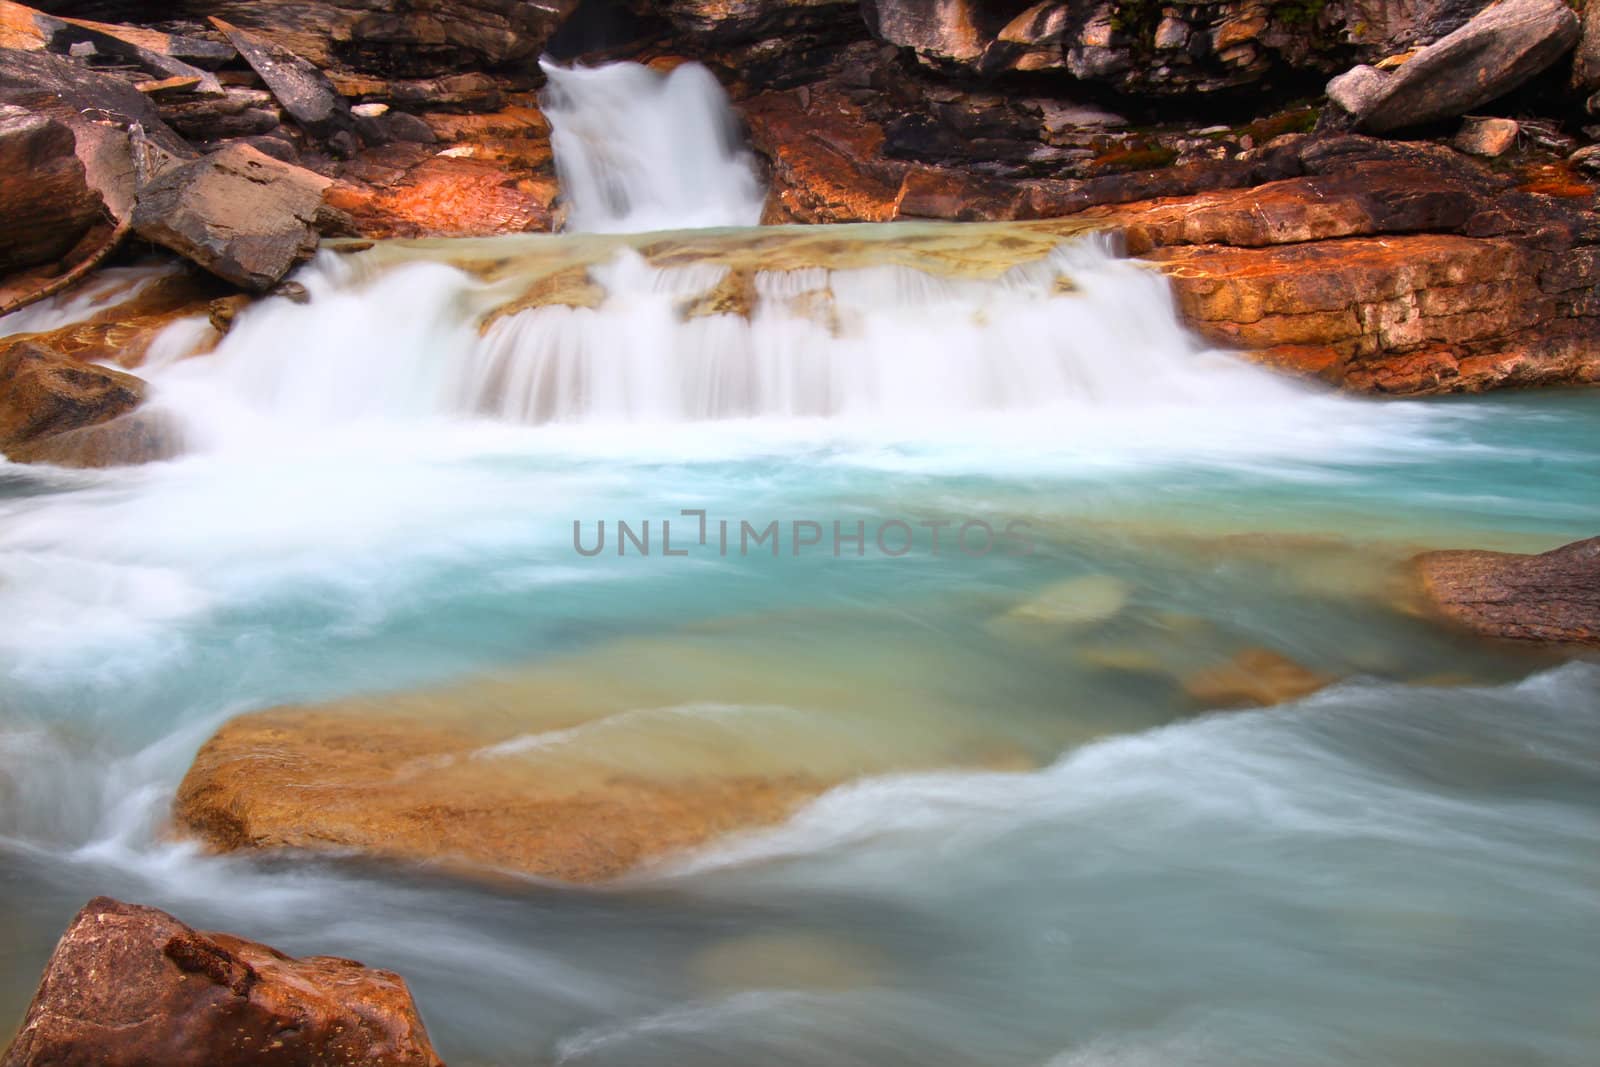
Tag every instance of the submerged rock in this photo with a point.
(239, 213)
(131, 986)
(1553, 597)
(407, 788)
(1256, 677)
(1496, 51)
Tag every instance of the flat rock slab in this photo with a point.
(401, 787)
(239, 213)
(131, 986)
(1553, 597)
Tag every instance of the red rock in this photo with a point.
(131, 986)
(1552, 597)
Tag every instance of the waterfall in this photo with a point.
(674, 333)
(637, 150)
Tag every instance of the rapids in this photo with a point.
(379, 493)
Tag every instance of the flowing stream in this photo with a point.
(1052, 846)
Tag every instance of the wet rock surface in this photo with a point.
(406, 787)
(44, 393)
(1553, 597)
(131, 986)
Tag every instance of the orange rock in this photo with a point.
(409, 789)
(447, 197)
(1256, 676)
(827, 158)
(130, 986)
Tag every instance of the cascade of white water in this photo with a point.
(637, 150)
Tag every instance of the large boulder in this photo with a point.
(239, 213)
(46, 204)
(1552, 597)
(1495, 52)
(131, 986)
(44, 393)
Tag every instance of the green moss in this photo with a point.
(1298, 12)
(1137, 19)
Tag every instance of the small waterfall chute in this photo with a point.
(638, 150)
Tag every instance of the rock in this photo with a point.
(938, 29)
(149, 50)
(1256, 677)
(43, 392)
(1586, 159)
(242, 215)
(786, 960)
(1486, 137)
(131, 986)
(137, 437)
(46, 204)
(416, 788)
(1586, 59)
(124, 324)
(200, 51)
(1077, 601)
(25, 29)
(302, 89)
(1495, 52)
(100, 110)
(724, 20)
(1392, 268)
(1553, 597)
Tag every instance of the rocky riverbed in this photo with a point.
(350, 689)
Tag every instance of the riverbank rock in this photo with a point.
(244, 216)
(1495, 52)
(412, 789)
(43, 393)
(1553, 597)
(131, 986)
(46, 203)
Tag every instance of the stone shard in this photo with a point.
(1553, 597)
(1487, 137)
(46, 204)
(239, 213)
(131, 986)
(1495, 52)
(303, 90)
